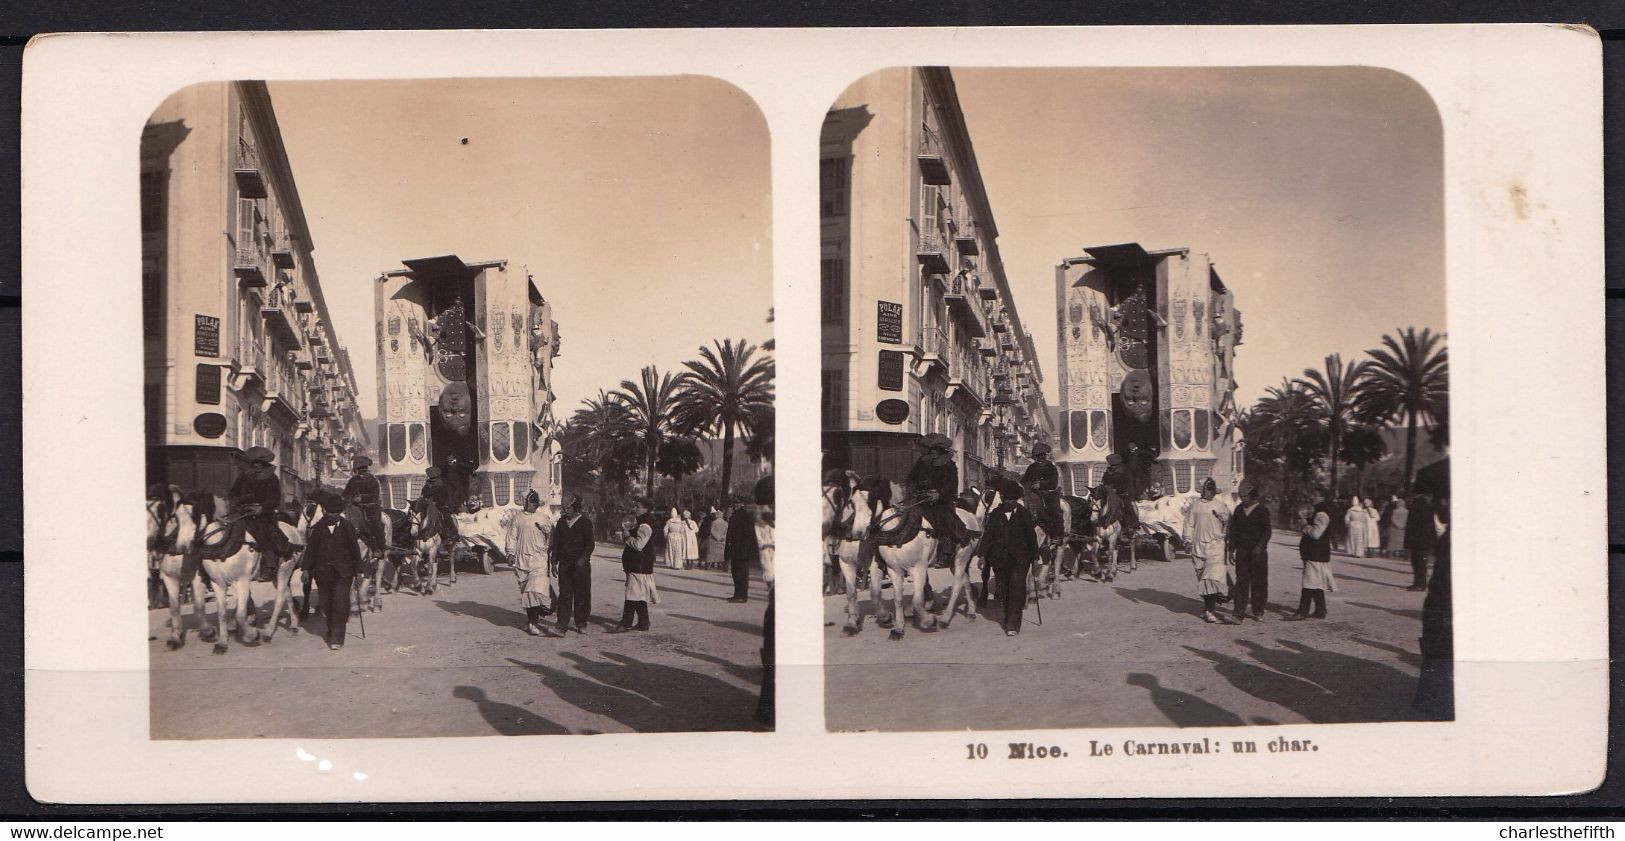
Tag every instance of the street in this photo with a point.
(1135, 652)
(459, 663)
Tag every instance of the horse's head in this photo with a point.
(861, 515)
(192, 513)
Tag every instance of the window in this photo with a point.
(833, 174)
(834, 398)
(832, 297)
(152, 201)
(245, 223)
(928, 204)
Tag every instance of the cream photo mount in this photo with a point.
(1523, 222)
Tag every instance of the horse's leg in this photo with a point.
(217, 584)
(378, 582)
(1133, 561)
(854, 618)
(922, 594)
(879, 568)
(900, 620)
(246, 632)
(177, 622)
(284, 577)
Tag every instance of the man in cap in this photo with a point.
(438, 493)
(255, 496)
(1117, 478)
(934, 479)
(362, 491)
(571, 553)
(1043, 478)
(1009, 548)
(332, 561)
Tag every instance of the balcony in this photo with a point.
(282, 250)
(248, 266)
(933, 166)
(280, 406)
(320, 409)
(323, 358)
(965, 239)
(935, 352)
(933, 252)
(314, 336)
(960, 291)
(1001, 325)
(250, 180)
(987, 347)
(1005, 342)
(251, 368)
(278, 317)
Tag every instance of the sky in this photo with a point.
(641, 205)
(1316, 192)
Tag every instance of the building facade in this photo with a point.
(920, 331)
(240, 351)
(465, 369)
(1147, 355)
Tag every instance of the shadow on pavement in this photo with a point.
(648, 697)
(502, 617)
(1183, 708)
(1352, 688)
(507, 719)
(742, 627)
(1172, 602)
(749, 674)
(1405, 614)
(1343, 575)
(1408, 657)
(1284, 690)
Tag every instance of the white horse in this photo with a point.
(845, 523)
(426, 523)
(973, 521)
(169, 535)
(200, 530)
(912, 560)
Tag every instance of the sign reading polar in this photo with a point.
(1147, 353)
(465, 364)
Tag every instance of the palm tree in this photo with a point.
(1280, 429)
(1333, 392)
(599, 433)
(1408, 376)
(680, 456)
(650, 406)
(728, 389)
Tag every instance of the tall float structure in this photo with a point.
(465, 366)
(1147, 352)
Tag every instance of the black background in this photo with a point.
(19, 21)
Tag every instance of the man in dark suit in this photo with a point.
(332, 556)
(572, 558)
(1010, 548)
(741, 549)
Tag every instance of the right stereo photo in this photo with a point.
(1135, 399)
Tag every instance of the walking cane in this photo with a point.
(360, 610)
(1038, 598)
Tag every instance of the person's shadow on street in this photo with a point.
(507, 719)
(1183, 708)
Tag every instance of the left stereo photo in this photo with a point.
(459, 408)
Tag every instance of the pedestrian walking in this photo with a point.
(1315, 549)
(1250, 532)
(1356, 523)
(573, 541)
(1373, 529)
(741, 549)
(1010, 547)
(716, 541)
(1398, 522)
(1206, 522)
(676, 535)
(530, 533)
(638, 562)
(691, 540)
(331, 559)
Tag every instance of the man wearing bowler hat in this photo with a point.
(255, 496)
(934, 479)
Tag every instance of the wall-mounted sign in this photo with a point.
(889, 322)
(892, 411)
(205, 335)
(208, 384)
(891, 370)
(210, 424)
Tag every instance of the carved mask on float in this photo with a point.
(1137, 395)
(456, 409)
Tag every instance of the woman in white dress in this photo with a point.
(1357, 521)
(676, 540)
(691, 540)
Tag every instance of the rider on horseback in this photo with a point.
(362, 491)
(1043, 478)
(255, 497)
(438, 493)
(934, 483)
